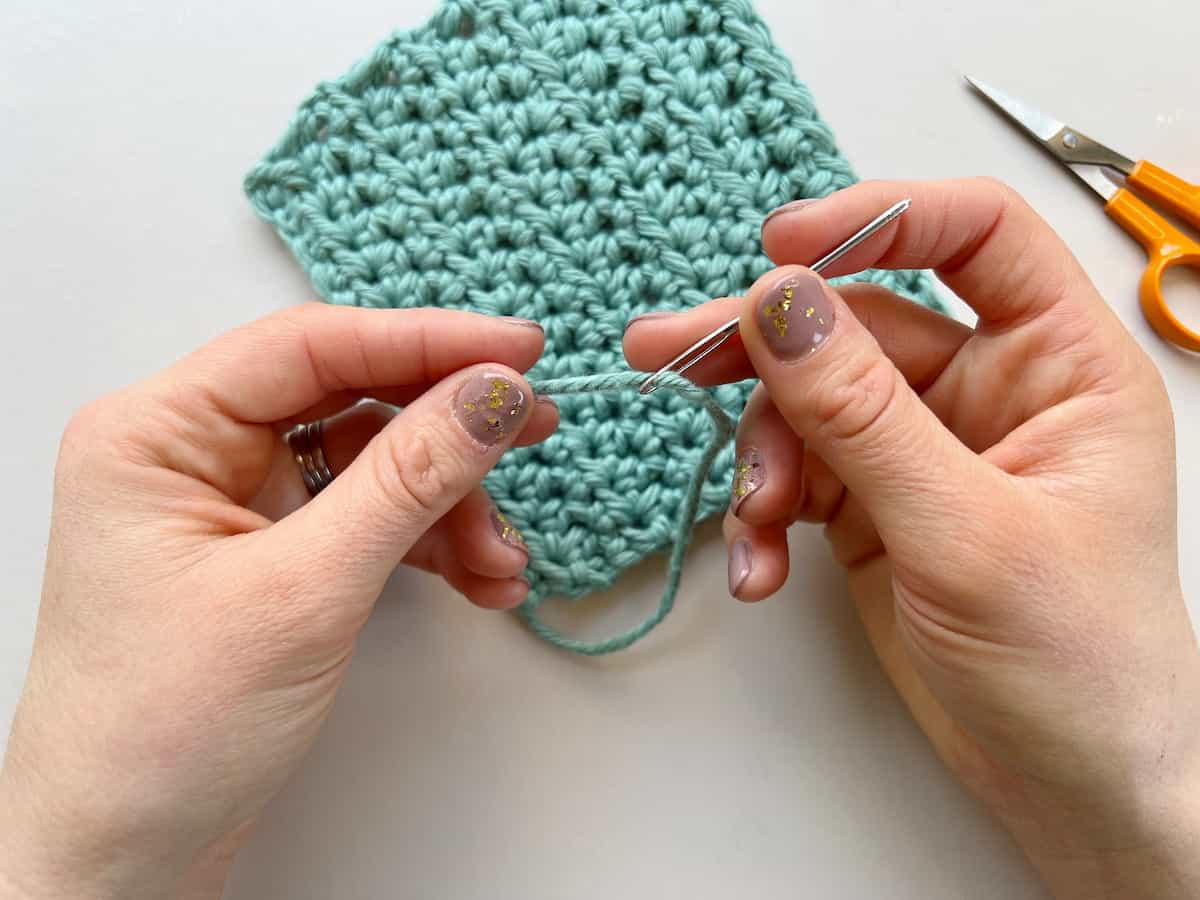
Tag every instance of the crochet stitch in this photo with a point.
(575, 162)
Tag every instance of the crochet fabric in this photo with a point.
(575, 162)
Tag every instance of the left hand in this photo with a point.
(195, 625)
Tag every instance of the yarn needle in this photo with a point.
(711, 341)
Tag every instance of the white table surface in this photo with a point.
(741, 751)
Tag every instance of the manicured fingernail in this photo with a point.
(507, 531)
(648, 317)
(527, 323)
(795, 315)
(739, 565)
(490, 408)
(788, 207)
(748, 475)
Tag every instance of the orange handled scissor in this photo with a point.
(1111, 175)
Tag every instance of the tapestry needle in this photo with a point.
(710, 342)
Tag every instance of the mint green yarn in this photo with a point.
(575, 162)
(722, 431)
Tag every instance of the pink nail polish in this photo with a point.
(791, 206)
(748, 476)
(649, 317)
(795, 315)
(739, 565)
(507, 531)
(490, 408)
(525, 323)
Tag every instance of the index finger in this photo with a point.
(276, 367)
(983, 240)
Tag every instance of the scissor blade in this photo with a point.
(1036, 122)
(1099, 167)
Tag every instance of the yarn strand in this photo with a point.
(722, 431)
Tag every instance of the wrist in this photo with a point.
(1147, 846)
(50, 853)
(1168, 869)
(38, 862)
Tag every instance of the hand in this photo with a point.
(1003, 499)
(188, 645)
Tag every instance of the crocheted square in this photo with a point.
(576, 162)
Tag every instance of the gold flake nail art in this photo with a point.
(506, 530)
(490, 407)
(796, 316)
(748, 475)
(777, 312)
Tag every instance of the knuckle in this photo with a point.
(301, 327)
(999, 187)
(84, 433)
(418, 469)
(301, 316)
(83, 424)
(1008, 200)
(854, 401)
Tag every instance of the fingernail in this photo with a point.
(739, 565)
(507, 531)
(788, 207)
(527, 323)
(490, 408)
(748, 475)
(647, 317)
(795, 315)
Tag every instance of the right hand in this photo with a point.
(1003, 499)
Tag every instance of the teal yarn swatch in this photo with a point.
(574, 162)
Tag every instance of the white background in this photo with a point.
(742, 751)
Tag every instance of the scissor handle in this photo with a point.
(1172, 193)
(1166, 246)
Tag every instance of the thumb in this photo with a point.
(409, 475)
(841, 393)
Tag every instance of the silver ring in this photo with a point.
(305, 442)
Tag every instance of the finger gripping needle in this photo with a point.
(714, 339)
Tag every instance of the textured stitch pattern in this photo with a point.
(575, 162)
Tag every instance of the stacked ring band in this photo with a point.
(305, 443)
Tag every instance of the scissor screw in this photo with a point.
(1070, 141)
